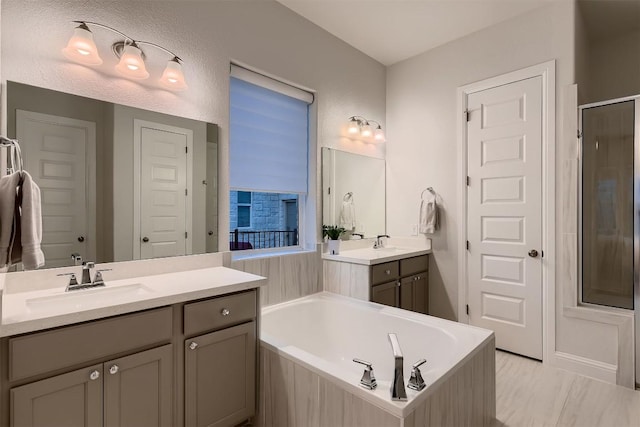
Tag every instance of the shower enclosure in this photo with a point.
(609, 220)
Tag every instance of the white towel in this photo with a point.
(20, 221)
(429, 216)
(26, 246)
(348, 213)
(8, 192)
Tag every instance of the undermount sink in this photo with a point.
(390, 249)
(87, 298)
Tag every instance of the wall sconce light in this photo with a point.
(360, 125)
(82, 49)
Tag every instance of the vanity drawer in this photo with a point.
(411, 266)
(219, 312)
(381, 273)
(47, 351)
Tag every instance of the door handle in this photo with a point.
(533, 253)
(145, 239)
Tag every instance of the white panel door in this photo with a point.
(56, 152)
(504, 219)
(164, 229)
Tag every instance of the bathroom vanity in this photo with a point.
(394, 276)
(183, 353)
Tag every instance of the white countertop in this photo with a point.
(23, 312)
(370, 256)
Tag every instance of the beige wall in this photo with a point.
(614, 67)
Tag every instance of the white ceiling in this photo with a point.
(393, 30)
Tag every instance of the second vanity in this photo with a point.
(397, 276)
(181, 353)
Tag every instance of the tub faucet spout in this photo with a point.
(398, 392)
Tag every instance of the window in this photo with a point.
(243, 209)
(269, 150)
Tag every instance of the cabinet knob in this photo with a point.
(94, 375)
(114, 369)
(388, 272)
(193, 345)
(225, 312)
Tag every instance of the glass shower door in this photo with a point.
(607, 221)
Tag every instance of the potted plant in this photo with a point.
(333, 233)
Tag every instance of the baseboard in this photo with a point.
(587, 367)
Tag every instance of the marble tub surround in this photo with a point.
(307, 377)
(362, 252)
(288, 276)
(26, 309)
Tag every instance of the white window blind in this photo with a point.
(268, 139)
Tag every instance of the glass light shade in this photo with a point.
(353, 127)
(131, 63)
(366, 131)
(81, 48)
(173, 77)
(378, 134)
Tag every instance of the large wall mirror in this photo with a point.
(117, 183)
(353, 188)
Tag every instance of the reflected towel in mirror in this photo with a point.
(348, 212)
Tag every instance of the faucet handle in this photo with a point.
(72, 278)
(368, 380)
(416, 382)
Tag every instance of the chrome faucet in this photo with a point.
(379, 244)
(86, 272)
(398, 392)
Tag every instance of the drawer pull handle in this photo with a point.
(94, 375)
(388, 272)
(114, 369)
(193, 345)
(225, 312)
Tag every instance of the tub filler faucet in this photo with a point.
(398, 392)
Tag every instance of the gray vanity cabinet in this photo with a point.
(71, 399)
(220, 366)
(403, 283)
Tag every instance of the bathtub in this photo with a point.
(307, 372)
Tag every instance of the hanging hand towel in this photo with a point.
(348, 213)
(8, 188)
(26, 245)
(429, 216)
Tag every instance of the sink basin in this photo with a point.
(390, 249)
(87, 298)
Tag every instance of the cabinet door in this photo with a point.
(138, 389)
(386, 294)
(69, 400)
(220, 377)
(406, 293)
(421, 293)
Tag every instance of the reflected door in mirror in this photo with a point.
(55, 151)
(165, 198)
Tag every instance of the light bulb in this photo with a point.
(81, 47)
(354, 127)
(131, 63)
(173, 77)
(366, 130)
(378, 134)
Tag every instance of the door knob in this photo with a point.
(210, 233)
(145, 239)
(81, 239)
(533, 253)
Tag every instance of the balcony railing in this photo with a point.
(242, 240)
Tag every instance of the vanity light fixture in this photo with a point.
(82, 49)
(360, 125)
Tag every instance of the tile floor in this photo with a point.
(531, 394)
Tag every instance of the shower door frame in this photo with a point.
(636, 220)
